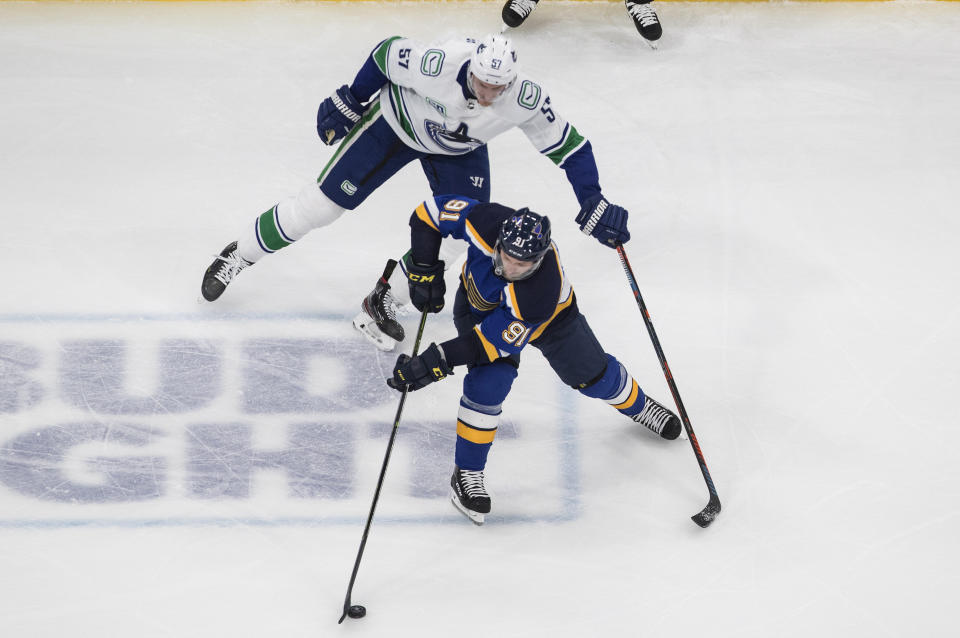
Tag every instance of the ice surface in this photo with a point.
(169, 468)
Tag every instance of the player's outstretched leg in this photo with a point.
(469, 494)
(271, 231)
(377, 320)
(658, 418)
(516, 11)
(645, 18)
(221, 272)
(617, 387)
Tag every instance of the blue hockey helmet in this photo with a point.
(524, 236)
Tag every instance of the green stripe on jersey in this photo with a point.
(399, 107)
(380, 54)
(574, 140)
(268, 231)
(372, 112)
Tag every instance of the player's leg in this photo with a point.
(467, 175)
(369, 155)
(514, 12)
(484, 389)
(645, 19)
(577, 357)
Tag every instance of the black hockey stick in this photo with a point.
(710, 512)
(358, 611)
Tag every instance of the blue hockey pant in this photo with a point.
(571, 349)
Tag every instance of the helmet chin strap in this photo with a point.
(470, 82)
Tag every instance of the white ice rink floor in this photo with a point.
(171, 468)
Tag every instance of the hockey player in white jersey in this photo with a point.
(439, 104)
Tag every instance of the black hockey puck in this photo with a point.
(357, 611)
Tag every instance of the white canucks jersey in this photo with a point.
(425, 103)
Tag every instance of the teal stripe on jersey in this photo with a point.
(380, 54)
(573, 142)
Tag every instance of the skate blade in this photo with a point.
(475, 517)
(372, 334)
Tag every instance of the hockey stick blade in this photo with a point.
(708, 513)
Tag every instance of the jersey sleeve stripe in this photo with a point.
(569, 146)
(512, 302)
(565, 289)
(488, 348)
(380, 55)
(426, 217)
(477, 240)
(431, 205)
(563, 136)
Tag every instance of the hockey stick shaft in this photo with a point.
(388, 270)
(386, 461)
(710, 512)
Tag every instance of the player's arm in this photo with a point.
(389, 61)
(433, 219)
(500, 334)
(562, 143)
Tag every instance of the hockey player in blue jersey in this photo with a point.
(439, 105)
(513, 292)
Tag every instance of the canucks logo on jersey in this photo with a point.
(446, 138)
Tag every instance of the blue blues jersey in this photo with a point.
(512, 314)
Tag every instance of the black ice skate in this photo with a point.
(645, 19)
(659, 419)
(377, 320)
(469, 494)
(221, 272)
(516, 11)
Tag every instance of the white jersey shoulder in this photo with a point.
(427, 107)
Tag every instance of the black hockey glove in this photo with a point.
(337, 115)
(605, 221)
(413, 373)
(427, 286)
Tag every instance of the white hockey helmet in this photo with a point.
(494, 61)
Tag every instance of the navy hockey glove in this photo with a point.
(413, 373)
(427, 286)
(337, 115)
(605, 221)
